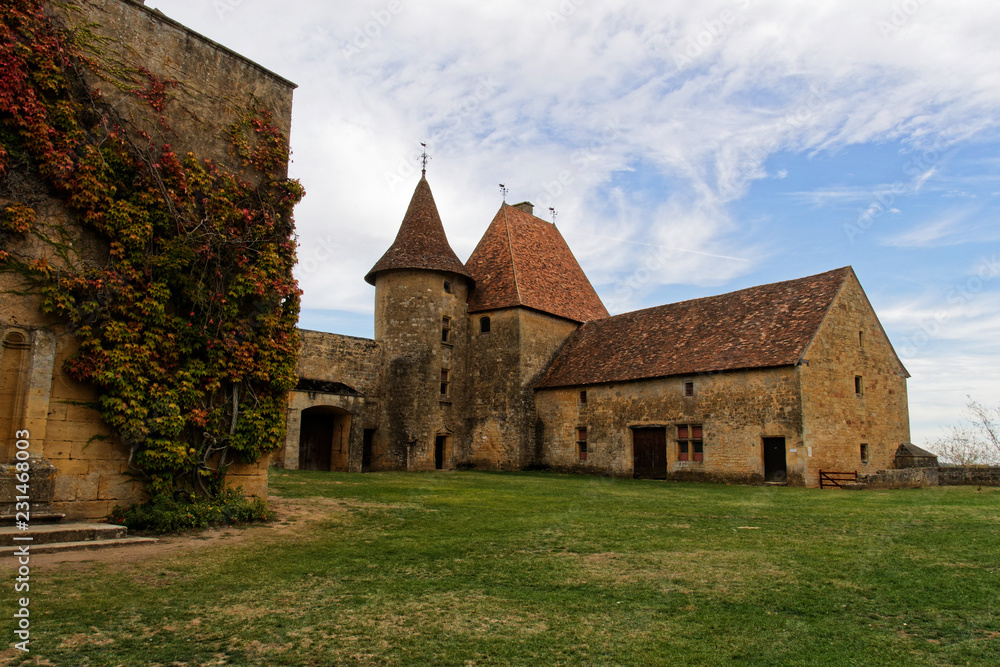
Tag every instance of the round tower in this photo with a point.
(421, 292)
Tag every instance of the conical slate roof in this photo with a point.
(421, 242)
(524, 261)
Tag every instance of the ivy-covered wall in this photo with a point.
(146, 250)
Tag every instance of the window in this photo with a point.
(583, 398)
(864, 453)
(445, 329)
(447, 287)
(861, 339)
(445, 384)
(484, 325)
(581, 442)
(690, 443)
(689, 388)
(859, 385)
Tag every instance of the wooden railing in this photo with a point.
(828, 478)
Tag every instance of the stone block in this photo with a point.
(91, 509)
(72, 467)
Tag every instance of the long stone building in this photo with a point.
(510, 361)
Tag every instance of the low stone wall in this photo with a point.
(969, 476)
(904, 478)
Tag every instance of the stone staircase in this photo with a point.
(55, 537)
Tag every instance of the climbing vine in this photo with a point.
(187, 323)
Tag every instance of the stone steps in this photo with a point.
(47, 538)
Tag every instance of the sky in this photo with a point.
(688, 149)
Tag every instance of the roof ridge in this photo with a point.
(510, 248)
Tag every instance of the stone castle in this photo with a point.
(510, 361)
(506, 361)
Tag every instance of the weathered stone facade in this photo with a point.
(91, 466)
(770, 384)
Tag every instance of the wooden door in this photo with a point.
(315, 441)
(649, 453)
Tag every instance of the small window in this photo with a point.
(484, 325)
(445, 329)
(690, 443)
(859, 385)
(689, 388)
(445, 383)
(583, 398)
(581, 442)
(861, 339)
(864, 453)
(447, 287)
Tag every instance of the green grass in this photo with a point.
(477, 568)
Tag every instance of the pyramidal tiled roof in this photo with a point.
(524, 261)
(421, 242)
(760, 327)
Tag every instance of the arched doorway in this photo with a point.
(324, 439)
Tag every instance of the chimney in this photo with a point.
(526, 206)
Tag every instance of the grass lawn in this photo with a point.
(473, 568)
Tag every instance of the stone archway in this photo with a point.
(324, 438)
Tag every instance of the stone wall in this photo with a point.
(969, 476)
(736, 410)
(332, 357)
(905, 478)
(506, 363)
(212, 82)
(837, 419)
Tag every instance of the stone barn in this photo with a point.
(510, 361)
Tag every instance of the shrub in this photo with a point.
(169, 514)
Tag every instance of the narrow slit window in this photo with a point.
(581, 442)
(859, 385)
(583, 398)
(864, 452)
(445, 382)
(445, 329)
(861, 339)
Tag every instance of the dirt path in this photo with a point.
(293, 515)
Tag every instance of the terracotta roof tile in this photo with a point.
(421, 242)
(760, 327)
(524, 261)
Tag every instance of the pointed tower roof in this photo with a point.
(524, 261)
(421, 242)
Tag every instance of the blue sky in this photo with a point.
(689, 149)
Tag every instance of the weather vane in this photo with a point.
(554, 213)
(504, 191)
(424, 157)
